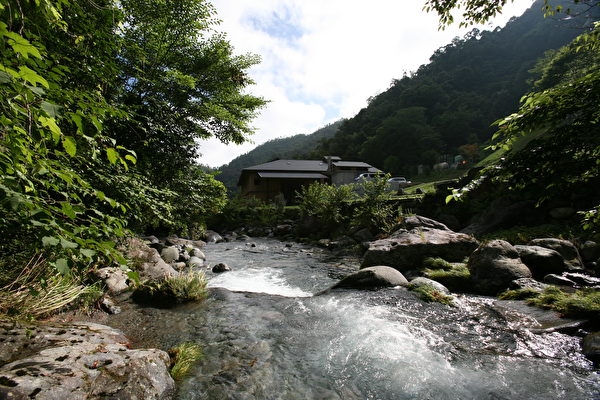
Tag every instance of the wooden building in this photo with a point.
(286, 177)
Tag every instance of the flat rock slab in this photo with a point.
(406, 250)
(79, 361)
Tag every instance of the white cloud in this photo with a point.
(321, 60)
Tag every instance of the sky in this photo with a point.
(323, 59)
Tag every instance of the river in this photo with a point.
(265, 336)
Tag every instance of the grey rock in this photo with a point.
(175, 241)
(183, 256)
(221, 267)
(564, 247)
(114, 278)
(494, 265)
(195, 262)
(212, 237)
(372, 277)
(582, 279)
(422, 281)
(554, 279)
(590, 251)
(170, 254)
(179, 266)
(80, 361)
(417, 221)
(541, 260)
(364, 235)
(197, 253)
(283, 229)
(147, 261)
(324, 242)
(406, 250)
(342, 242)
(591, 347)
(528, 283)
(109, 305)
(242, 238)
(152, 239)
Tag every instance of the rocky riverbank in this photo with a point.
(78, 360)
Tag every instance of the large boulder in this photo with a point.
(373, 277)
(406, 249)
(541, 261)
(170, 254)
(147, 261)
(79, 361)
(565, 248)
(494, 265)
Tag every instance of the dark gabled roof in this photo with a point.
(292, 175)
(290, 165)
(356, 164)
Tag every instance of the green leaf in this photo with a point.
(131, 158)
(50, 123)
(65, 244)
(67, 209)
(62, 266)
(21, 45)
(112, 155)
(69, 145)
(89, 253)
(5, 77)
(51, 109)
(48, 241)
(32, 77)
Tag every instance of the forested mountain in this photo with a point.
(447, 106)
(294, 147)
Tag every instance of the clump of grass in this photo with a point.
(180, 288)
(519, 294)
(584, 303)
(437, 263)
(430, 294)
(183, 358)
(39, 291)
(457, 278)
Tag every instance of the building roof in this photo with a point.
(292, 175)
(290, 165)
(356, 164)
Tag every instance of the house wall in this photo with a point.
(343, 176)
(268, 188)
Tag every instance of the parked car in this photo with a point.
(397, 183)
(368, 176)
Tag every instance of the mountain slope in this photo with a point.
(447, 106)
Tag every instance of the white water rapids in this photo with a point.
(266, 337)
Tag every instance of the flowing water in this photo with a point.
(265, 336)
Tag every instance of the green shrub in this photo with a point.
(183, 357)
(430, 294)
(437, 263)
(584, 303)
(325, 202)
(458, 278)
(519, 294)
(39, 292)
(180, 288)
(373, 210)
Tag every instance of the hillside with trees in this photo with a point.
(293, 147)
(447, 106)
